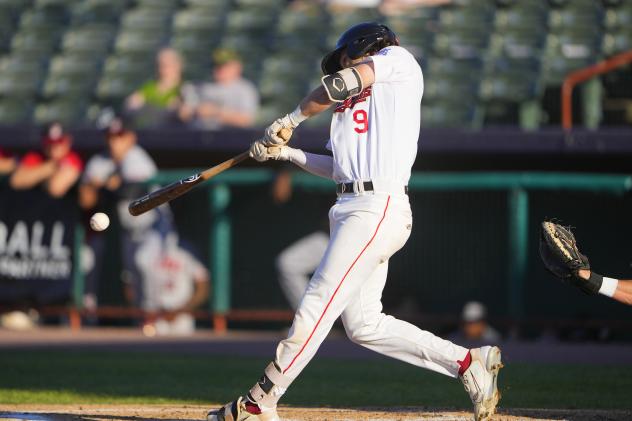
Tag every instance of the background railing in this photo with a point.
(517, 185)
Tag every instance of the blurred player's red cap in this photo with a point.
(55, 134)
(117, 127)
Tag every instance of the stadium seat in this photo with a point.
(36, 43)
(44, 18)
(112, 89)
(200, 20)
(567, 52)
(12, 8)
(138, 42)
(618, 18)
(15, 111)
(146, 19)
(64, 111)
(448, 114)
(617, 42)
(97, 11)
(461, 45)
(129, 64)
(93, 40)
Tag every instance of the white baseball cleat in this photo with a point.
(237, 411)
(480, 381)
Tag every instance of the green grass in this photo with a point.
(37, 377)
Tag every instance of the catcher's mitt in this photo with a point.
(561, 257)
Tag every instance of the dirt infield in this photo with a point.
(195, 412)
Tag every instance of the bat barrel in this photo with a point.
(163, 195)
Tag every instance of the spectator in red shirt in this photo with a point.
(57, 168)
(7, 162)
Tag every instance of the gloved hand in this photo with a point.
(272, 137)
(260, 152)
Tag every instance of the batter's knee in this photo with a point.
(362, 332)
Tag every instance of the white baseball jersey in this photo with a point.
(374, 134)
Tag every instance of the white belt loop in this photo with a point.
(358, 187)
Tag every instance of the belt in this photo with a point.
(367, 186)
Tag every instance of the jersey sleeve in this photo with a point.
(32, 159)
(73, 160)
(392, 64)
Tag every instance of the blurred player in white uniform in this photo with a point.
(377, 88)
(175, 284)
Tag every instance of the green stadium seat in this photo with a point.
(517, 45)
(64, 111)
(166, 5)
(90, 40)
(130, 64)
(473, 18)
(465, 70)
(97, 12)
(559, 19)
(137, 42)
(195, 43)
(275, 88)
(43, 4)
(146, 20)
(461, 44)
(13, 8)
(207, 4)
(296, 23)
(569, 52)
(19, 84)
(448, 114)
(617, 42)
(251, 21)
(44, 18)
(261, 4)
(114, 88)
(72, 64)
(619, 18)
(35, 42)
(69, 85)
(201, 20)
(440, 88)
(15, 111)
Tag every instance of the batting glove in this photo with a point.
(260, 152)
(271, 137)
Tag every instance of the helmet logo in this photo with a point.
(338, 83)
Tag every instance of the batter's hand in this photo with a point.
(271, 136)
(260, 152)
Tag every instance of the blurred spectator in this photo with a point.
(156, 102)
(7, 162)
(122, 173)
(175, 285)
(298, 261)
(230, 100)
(57, 168)
(474, 326)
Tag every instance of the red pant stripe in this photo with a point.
(338, 287)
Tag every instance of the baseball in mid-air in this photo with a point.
(99, 221)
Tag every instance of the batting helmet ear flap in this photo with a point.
(331, 62)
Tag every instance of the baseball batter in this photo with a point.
(376, 87)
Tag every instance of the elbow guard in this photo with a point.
(343, 84)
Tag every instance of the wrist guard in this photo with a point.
(590, 286)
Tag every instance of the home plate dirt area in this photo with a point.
(195, 412)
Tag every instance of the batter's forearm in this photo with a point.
(320, 165)
(315, 103)
(623, 293)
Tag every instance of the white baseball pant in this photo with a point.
(366, 230)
